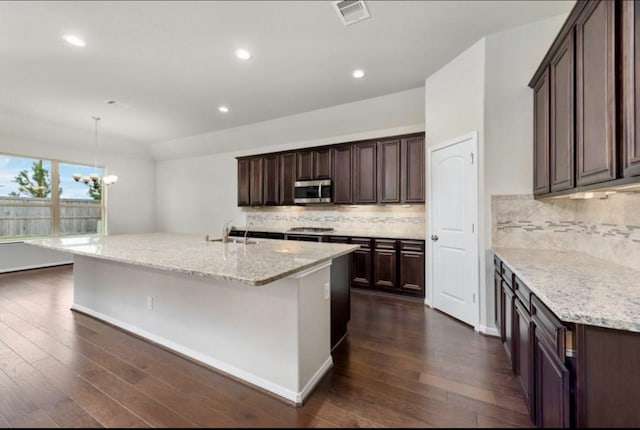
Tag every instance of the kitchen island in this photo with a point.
(259, 312)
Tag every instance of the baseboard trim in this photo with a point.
(489, 331)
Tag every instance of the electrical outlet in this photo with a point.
(149, 303)
(327, 291)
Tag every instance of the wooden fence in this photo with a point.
(31, 217)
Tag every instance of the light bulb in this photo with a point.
(77, 177)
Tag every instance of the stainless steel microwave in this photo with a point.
(318, 191)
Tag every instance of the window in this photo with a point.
(41, 198)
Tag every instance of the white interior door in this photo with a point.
(453, 208)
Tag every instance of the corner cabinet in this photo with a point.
(590, 71)
(541, 135)
(562, 143)
(630, 29)
(412, 176)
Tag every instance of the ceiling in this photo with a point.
(170, 65)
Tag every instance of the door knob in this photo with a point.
(434, 237)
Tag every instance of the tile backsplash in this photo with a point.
(606, 228)
(379, 219)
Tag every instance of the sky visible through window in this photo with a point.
(10, 167)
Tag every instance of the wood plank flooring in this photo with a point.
(402, 365)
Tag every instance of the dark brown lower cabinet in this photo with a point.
(385, 267)
(551, 388)
(507, 298)
(608, 364)
(499, 305)
(523, 353)
(412, 266)
(361, 263)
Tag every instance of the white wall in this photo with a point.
(454, 106)
(130, 202)
(199, 194)
(485, 89)
(512, 58)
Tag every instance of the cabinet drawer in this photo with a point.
(385, 244)
(336, 239)
(412, 245)
(548, 327)
(507, 275)
(522, 292)
(364, 243)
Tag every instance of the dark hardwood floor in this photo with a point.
(402, 365)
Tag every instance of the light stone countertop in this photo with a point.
(255, 264)
(350, 233)
(579, 288)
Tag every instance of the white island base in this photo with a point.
(275, 337)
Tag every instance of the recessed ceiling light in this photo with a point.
(223, 109)
(358, 73)
(74, 40)
(243, 54)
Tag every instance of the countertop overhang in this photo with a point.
(579, 288)
(256, 264)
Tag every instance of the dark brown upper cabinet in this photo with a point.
(322, 163)
(562, 144)
(343, 174)
(595, 94)
(389, 171)
(630, 23)
(313, 164)
(365, 172)
(286, 178)
(541, 135)
(256, 181)
(412, 178)
(270, 180)
(243, 182)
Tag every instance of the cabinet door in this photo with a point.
(255, 181)
(596, 94)
(365, 171)
(499, 309)
(562, 142)
(322, 163)
(523, 352)
(412, 272)
(343, 175)
(361, 263)
(304, 165)
(244, 168)
(630, 88)
(287, 178)
(385, 267)
(541, 135)
(412, 178)
(270, 180)
(551, 386)
(507, 296)
(389, 171)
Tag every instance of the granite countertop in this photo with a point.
(579, 288)
(256, 264)
(350, 233)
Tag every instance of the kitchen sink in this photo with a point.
(239, 240)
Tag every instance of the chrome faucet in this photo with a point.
(246, 230)
(225, 231)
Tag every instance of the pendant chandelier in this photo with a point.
(94, 177)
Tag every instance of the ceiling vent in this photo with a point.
(351, 11)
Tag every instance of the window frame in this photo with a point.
(55, 199)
